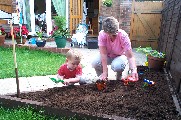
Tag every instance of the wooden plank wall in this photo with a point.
(145, 23)
(170, 39)
(6, 5)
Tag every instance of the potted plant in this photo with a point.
(107, 3)
(18, 35)
(155, 59)
(60, 33)
(2, 36)
(40, 42)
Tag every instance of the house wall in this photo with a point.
(170, 39)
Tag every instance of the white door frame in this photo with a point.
(48, 16)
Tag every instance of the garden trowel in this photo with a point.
(57, 80)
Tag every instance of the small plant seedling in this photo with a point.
(57, 80)
(100, 84)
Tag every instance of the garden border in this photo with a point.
(46, 48)
(14, 102)
(173, 92)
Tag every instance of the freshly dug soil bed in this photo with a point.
(130, 101)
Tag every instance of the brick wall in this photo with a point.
(121, 10)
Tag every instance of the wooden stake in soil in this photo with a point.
(15, 63)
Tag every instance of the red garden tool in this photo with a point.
(129, 79)
(100, 84)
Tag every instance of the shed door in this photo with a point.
(145, 23)
(75, 13)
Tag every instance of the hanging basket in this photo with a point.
(2, 40)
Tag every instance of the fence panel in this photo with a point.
(145, 23)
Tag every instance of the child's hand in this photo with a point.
(66, 81)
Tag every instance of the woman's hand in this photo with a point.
(103, 76)
(135, 76)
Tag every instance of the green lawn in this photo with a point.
(29, 113)
(22, 114)
(30, 62)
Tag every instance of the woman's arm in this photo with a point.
(132, 63)
(103, 53)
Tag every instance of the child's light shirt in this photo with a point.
(64, 71)
(116, 48)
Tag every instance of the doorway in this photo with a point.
(40, 15)
(92, 15)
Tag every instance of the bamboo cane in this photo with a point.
(15, 63)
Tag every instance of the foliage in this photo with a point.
(59, 27)
(22, 114)
(16, 32)
(29, 113)
(2, 31)
(151, 52)
(29, 62)
(107, 3)
(40, 35)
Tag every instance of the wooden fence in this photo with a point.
(170, 39)
(145, 23)
(6, 6)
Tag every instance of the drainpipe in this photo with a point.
(67, 13)
(48, 17)
(31, 2)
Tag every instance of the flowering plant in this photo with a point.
(40, 35)
(59, 27)
(24, 32)
(2, 31)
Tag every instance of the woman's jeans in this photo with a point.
(118, 64)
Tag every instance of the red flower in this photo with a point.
(16, 31)
(2, 31)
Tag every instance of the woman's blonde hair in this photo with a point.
(73, 54)
(110, 25)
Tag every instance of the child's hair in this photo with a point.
(73, 54)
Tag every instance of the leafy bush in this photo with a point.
(151, 52)
(59, 27)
